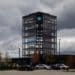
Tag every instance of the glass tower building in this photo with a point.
(39, 32)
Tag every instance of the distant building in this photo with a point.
(39, 32)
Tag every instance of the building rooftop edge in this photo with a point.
(38, 13)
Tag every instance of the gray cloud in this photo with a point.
(68, 16)
(51, 3)
(64, 10)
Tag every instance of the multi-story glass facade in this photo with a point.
(39, 32)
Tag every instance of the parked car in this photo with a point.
(39, 66)
(42, 66)
(60, 66)
(26, 67)
(48, 67)
(55, 66)
(63, 66)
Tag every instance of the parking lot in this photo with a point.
(38, 72)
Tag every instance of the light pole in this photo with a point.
(19, 52)
(59, 49)
(59, 46)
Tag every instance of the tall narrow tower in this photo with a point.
(39, 32)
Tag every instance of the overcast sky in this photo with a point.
(11, 12)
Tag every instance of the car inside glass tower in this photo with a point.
(39, 33)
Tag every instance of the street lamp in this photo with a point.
(59, 46)
(59, 50)
(19, 52)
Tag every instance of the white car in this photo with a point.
(63, 66)
(42, 66)
(60, 66)
(47, 67)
